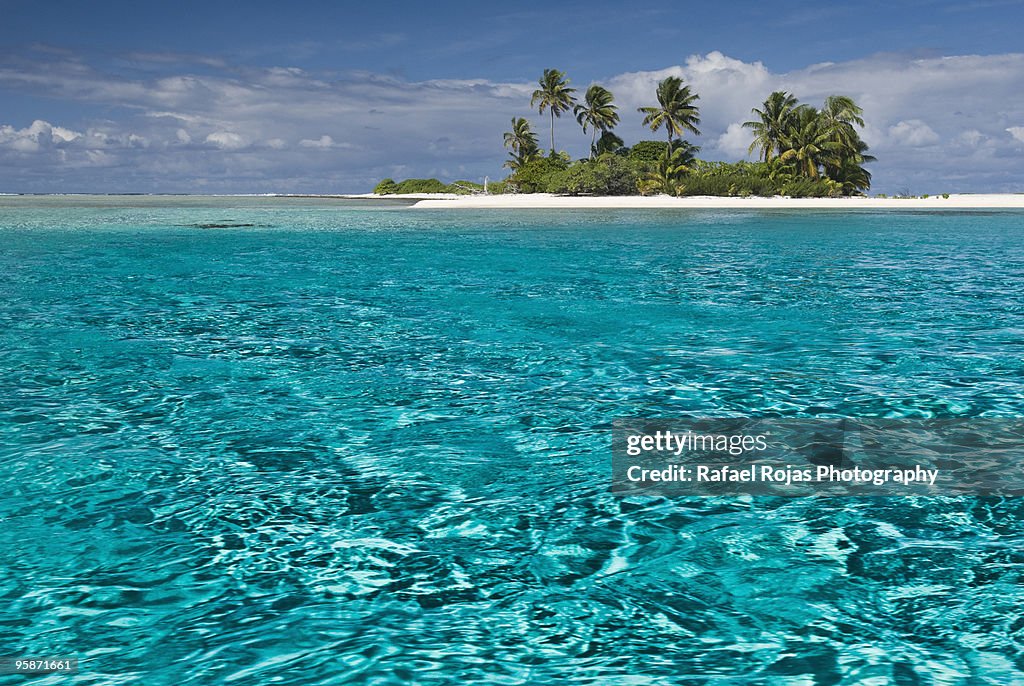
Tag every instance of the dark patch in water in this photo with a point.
(225, 225)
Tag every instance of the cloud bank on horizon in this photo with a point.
(936, 124)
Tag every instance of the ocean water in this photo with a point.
(269, 441)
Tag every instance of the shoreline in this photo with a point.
(548, 201)
(959, 201)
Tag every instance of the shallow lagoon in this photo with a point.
(347, 442)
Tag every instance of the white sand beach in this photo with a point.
(548, 201)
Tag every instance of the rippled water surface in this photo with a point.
(307, 442)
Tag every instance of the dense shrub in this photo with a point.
(810, 188)
(390, 187)
(648, 151)
(535, 175)
(617, 174)
(729, 185)
(421, 186)
(609, 174)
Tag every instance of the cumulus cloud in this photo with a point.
(931, 122)
(936, 124)
(227, 140)
(735, 142)
(39, 135)
(324, 142)
(914, 133)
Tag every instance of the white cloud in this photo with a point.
(37, 136)
(61, 135)
(942, 121)
(227, 140)
(735, 141)
(929, 121)
(913, 132)
(971, 137)
(323, 142)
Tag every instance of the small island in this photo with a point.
(803, 151)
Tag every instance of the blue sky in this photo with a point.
(327, 97)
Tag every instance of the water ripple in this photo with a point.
(351, 445)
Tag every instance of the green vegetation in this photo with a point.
(813, 144)
(608, 174)
(668, 173)
(390, 187)
(553, 95)
(386, 187)
(648, 151)
(609, 142)
(676, 110)
(599, 113)
(771, 125)
(802, 151)
(538, 174)
(522, 143)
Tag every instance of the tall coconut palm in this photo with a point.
(554, 95)
(598, 111)
(841, 110)
(771, 124)
(838, 116)
(676, 110)
(807, 143)
(522, 143)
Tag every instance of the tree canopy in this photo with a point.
(676, 111)
(598, 112)
(554, 96)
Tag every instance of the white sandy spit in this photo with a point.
(545, 200)
(400, 196)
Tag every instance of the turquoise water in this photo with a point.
(356, 443)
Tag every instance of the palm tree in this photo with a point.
(852, 176)
(807, 143)
(839, 115)
(686, 151)
(676, 110)
(599, 113)
(522, 142)
(771, 124)
(554, 95)
(608, 143)
(667, 175)
(849, 169)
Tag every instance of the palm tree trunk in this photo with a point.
(552, 131)
(593, 142)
